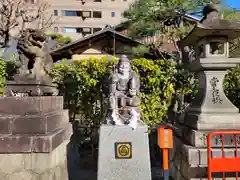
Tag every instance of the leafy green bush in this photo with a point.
(7, 70)
(231, 85)
(81, 83)
(2, 76)
(157, 88)
(61, 40)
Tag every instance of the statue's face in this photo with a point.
(124, 67)
(38, 35)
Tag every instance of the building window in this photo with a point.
(72, 30)
(69, 30)
(97, 0)
(96, 29)
(30, 1)
(70, 13)
(86, 31)
(86, 14)
(55, 29)
(113, 14)
(97, 14)
(55, 12)
(76, 13)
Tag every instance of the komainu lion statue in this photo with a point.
(34, 67)
(35, 62)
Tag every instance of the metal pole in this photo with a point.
(165, 164)
(114, 43)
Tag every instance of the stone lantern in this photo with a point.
(209, 58)
(205, 51)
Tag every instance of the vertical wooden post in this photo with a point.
(165, 142)
(165, 164)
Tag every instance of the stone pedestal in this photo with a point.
(34, 133)
(136, 166)
(190, 162)
(30, 87)
(210, 111)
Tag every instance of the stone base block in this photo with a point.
(190, 163)
(208, 121)
(30, 105)
(198, 138)
(34, 143)
(33, 124)
(35, 166)
(137, 167)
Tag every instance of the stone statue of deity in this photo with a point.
(124, 86)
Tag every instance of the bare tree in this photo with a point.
(16, 15)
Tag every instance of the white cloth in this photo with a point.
(133, 121)
(116, 119)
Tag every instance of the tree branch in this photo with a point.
(16, 14)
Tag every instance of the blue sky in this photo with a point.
(233, 3)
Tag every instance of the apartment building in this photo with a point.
(78, 18)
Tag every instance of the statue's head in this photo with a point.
(124, 65)
(36, 34)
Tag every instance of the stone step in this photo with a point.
(33, 124)
(26, 143)
(30, 105)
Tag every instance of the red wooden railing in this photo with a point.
(223, 164)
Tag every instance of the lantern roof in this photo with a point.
(212, 25)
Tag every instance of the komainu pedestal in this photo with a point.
(34, 127)
(34, 133)
(124, 153)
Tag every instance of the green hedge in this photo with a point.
(82, 83)
(232, 85)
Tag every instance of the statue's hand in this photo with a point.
(135, 101)
(35, 43)
(34, 50)
(26, 47)
(134, 112)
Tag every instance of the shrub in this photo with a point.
(7, 70)
(231, 85)
(81, 83)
